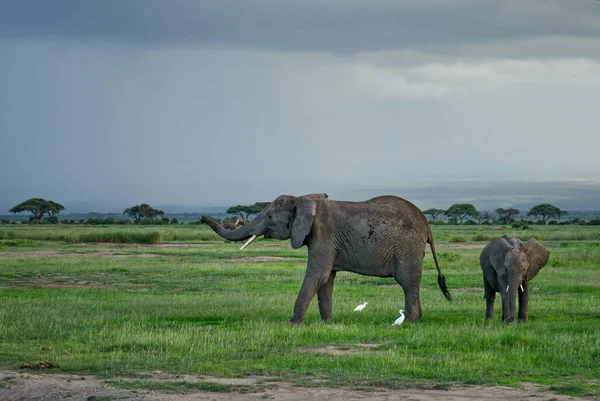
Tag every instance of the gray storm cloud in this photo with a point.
(224, 102)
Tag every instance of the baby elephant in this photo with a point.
(507, 266)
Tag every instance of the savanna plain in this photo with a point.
(169, 312)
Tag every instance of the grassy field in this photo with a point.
(195, 304)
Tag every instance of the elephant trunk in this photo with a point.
(513, 288)
(255, 227)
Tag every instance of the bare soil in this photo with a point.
(337, 350)
(461, 245)
(100, 254)
(17, 386)
(260, 259)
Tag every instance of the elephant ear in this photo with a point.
(317, 196)
(497, 254)
(537, 255)
(304, 213)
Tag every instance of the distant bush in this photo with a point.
(16, 243)
(520, 225)
(482, 237)
(458, 238)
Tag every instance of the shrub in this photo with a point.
(482, 237)
(520, 224)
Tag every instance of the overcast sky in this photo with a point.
(226, 102)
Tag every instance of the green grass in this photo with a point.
(482, 233)
(192, 310)
(108, 234)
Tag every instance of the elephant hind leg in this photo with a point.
(408, 275)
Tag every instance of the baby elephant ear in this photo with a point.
(302, 221)
(317, 196)
(537, 255)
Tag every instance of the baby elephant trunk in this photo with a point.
(516, 265)
(511, 296)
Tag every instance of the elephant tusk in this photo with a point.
(507, 288)
(248, 242)
(522, 290)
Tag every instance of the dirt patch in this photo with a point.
(338, 350)
(394, 284)
(28, 386)
(139, 246)
(101, 254)
(40, 365)
(468, 289)
(462, 246)
(71, 284)
(261, 259)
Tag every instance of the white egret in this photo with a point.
(399, 321)
(360, 307)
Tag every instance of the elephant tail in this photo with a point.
(441, 277)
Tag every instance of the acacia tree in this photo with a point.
(545, 211)
(143, 211)
(248, 210)
(507, 214)
(434, 213)
(482, 217)
(461, 210)
(38, 207)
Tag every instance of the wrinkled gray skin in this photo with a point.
(384, 237)
(507, 262)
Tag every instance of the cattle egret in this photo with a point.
(399, 321)
(360, 307)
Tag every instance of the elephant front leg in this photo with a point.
(489, 293)
(316, 277)
(523, 302)
(325, 296)
(505, 301)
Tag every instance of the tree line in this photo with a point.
(47, 211)
(458, 212)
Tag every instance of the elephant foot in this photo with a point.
(508, 319)
(293, 322)
(523, 320)
(413, 318)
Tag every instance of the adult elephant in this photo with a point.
(508, 265)
(384, 237)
